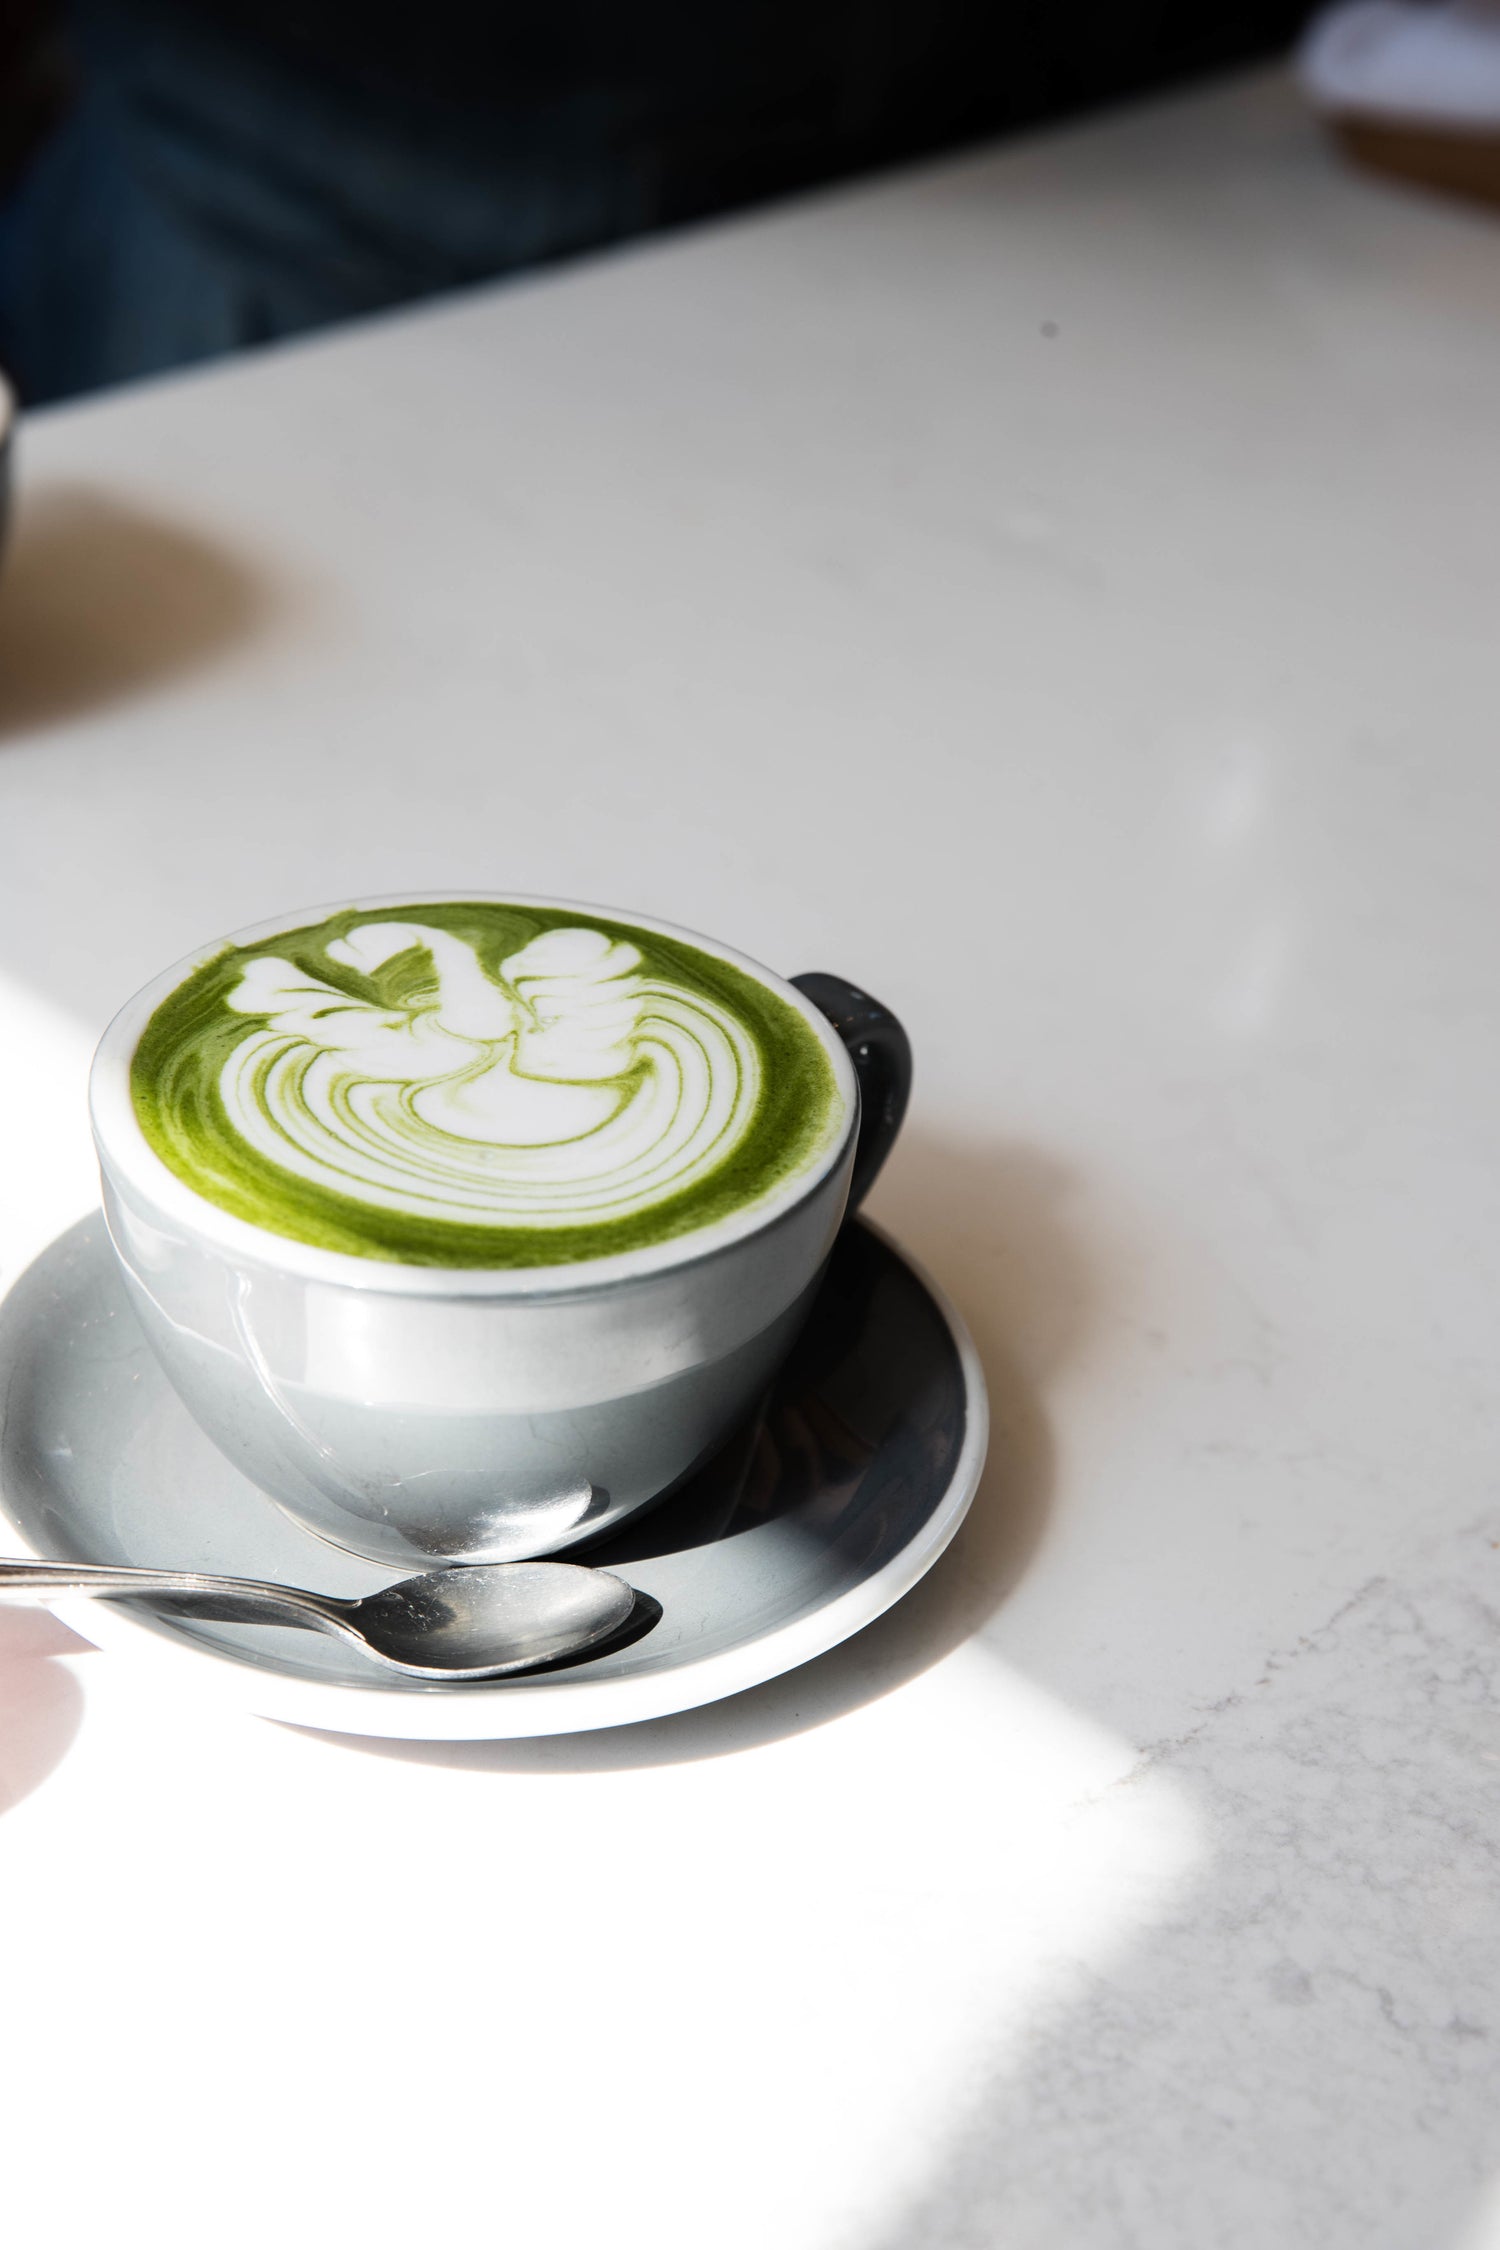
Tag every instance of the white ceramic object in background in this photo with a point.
(415, 1413)
(1413, 65)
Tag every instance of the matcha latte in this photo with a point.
(471, 1083)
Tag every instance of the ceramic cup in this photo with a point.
(418, 1414)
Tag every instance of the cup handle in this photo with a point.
(881, 1054)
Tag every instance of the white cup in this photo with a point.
(420, 1414)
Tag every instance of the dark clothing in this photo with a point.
(236, 170)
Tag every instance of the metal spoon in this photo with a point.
(468, 1623)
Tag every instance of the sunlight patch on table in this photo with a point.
(49, 1177)
(740, 2000)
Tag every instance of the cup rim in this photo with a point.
(129, 1162)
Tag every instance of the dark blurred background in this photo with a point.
(181, 178)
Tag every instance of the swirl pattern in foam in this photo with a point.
(482, 1083)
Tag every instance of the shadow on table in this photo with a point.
(990, 1223)
(40, 1703)
(100, 601)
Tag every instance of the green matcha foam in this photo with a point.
(482, 1084)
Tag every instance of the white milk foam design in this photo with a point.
(574, 1090)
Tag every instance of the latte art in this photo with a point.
(571, 1089)
(482, 1084)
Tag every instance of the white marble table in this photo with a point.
(1058, 588)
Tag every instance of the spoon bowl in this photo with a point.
(451, 1622)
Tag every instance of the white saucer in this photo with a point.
(844, 1494)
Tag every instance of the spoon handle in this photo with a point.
(199, 1593)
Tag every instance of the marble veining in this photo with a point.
(1306, 2051)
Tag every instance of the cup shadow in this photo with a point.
(41, 1704)
(990, 1223)
(101, 601)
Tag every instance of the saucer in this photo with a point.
(809, 1524)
